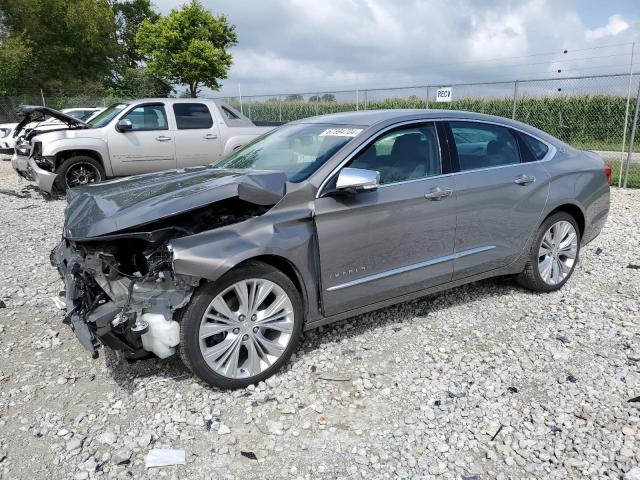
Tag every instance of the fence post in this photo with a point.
(317, 102)
(626, 115)
(633, 137)
(366, 100)
(515, 99)
(427, 99)
(249, 107)
(279, 108)
(357, 100)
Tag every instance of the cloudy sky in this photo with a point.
(320, 45)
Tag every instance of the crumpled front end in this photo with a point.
(123, 295)
(116, 260)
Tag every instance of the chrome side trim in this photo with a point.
(550, 154)
(409, 268)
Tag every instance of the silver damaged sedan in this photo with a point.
(316, 221)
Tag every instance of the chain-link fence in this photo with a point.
(588, 112)
(591, 112)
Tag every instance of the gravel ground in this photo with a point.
(483, 381)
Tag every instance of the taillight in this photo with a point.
(607, 172)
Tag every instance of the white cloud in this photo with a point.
(614, 26)
(311, 45)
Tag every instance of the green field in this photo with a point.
(588, 122)
(592, 122)
(634, 174)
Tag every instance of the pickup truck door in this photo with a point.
(198, 139)
(148, 146)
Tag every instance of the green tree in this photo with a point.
(138, 82)
(129, 15)
(294, 97)
(129, 78)
(15, 55)
(188, 47)
(60, 40)
(328, 97)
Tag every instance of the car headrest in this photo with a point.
(407, 144)
(494, 147)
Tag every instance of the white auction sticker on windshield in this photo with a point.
(341, 132)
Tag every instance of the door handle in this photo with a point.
(163, 138)
(210, 136)
(524, 180)
(438, 193)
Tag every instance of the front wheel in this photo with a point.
(553, 255)
(77, 171)
(242, 328)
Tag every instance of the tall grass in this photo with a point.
(587, 121)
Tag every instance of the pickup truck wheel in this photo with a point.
(77, 171)
(242, 328)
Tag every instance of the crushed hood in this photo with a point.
(115, 206)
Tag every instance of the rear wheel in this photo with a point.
(242, 328)
(77, 171)
(553, 255)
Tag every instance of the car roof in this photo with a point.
(369, 118)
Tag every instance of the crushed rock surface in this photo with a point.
(483, 381)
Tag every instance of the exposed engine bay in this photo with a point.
(120, 288)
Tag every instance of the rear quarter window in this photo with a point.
(537, 149)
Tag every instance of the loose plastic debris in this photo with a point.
(161, 457)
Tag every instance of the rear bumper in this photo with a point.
(43, 178)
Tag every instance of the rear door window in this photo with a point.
(191, 116)
(484, 145)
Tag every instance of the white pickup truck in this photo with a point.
(130, 138)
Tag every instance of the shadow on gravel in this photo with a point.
(128, 375)
(26, 193)
(403, 312)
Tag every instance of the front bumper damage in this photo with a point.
(131, 313)
(43, 178)
(20, 164)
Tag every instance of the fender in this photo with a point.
(97, 145)
(285, 233)
(235, 142)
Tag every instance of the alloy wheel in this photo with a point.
(557, 253)
(246, 328)
(81, 174)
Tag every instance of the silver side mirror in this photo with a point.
(358, 180)
(124, 125)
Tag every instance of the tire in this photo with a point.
(66, 169)
(238, 370)
(534, 274)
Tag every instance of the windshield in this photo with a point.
(103, 118)
(298, 150)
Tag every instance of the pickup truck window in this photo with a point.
(298, 150)
(192, 116)
(103, 119)
(148, 117)
(229, 114)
